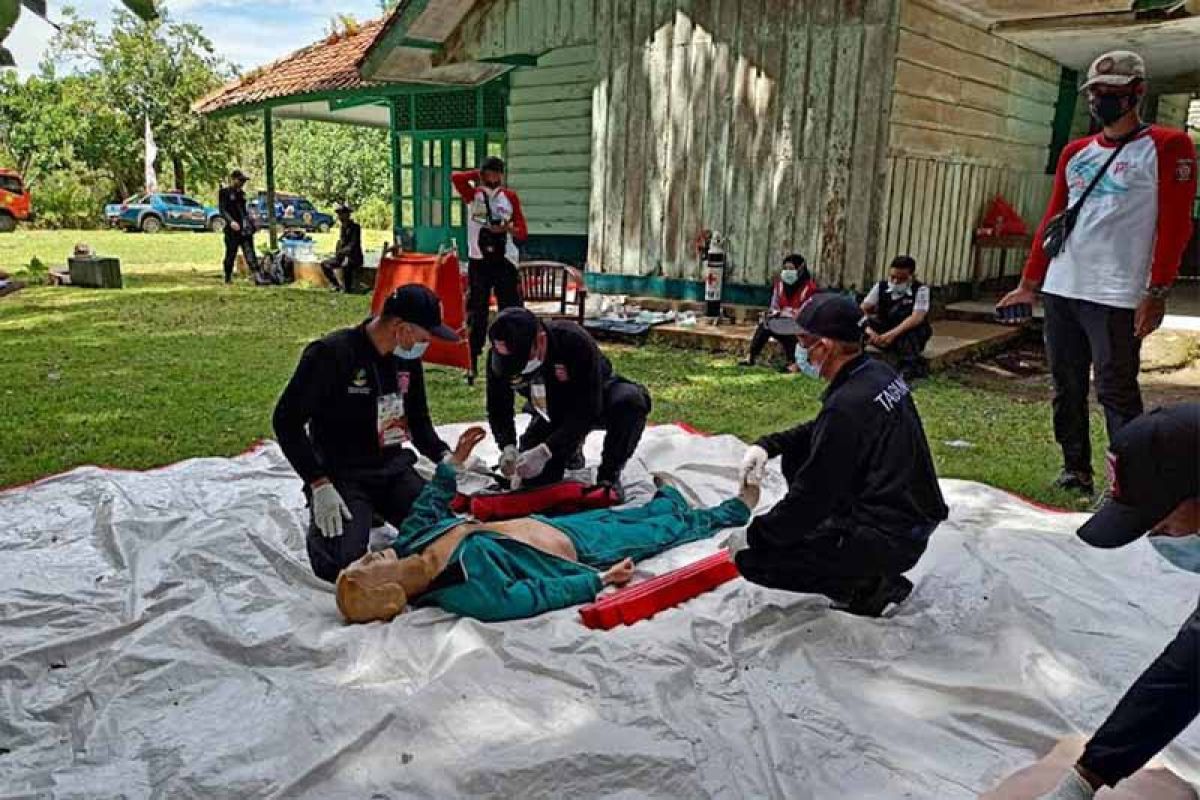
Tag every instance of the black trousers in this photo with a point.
(908, 345)
(623, 420)
(389, 496)
(1162, 702)
(763, 334)
(348, 267)
(483, 278)
(836, 563)
(1081, 336)
(233, 243)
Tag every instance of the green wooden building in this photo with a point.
(847, 130)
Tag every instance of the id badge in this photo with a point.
(390, 420)
(537, 397)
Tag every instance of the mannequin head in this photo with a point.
(379, 585)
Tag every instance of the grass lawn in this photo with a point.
(178, 365)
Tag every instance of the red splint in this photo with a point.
(646, 599)
(565, 497)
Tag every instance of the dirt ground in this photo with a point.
(1170, 370)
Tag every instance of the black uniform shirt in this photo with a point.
(231, 203)
(864, 463)
(349, 244)
(575, 373)
(326, 420)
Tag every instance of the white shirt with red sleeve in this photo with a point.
(504, 205)
(1132, 229)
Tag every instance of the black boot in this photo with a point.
(1076, 482)
(872, 601)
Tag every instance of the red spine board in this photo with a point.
(663, 591)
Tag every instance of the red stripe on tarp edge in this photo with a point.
(254, 447)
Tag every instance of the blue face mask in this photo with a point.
(806, 367)
(411, 353)
(1182, 551)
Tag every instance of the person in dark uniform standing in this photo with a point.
(239, 228)
(495, 224)
(571, 390)
(356, 400)
(1154, 465)
(863, 497)
(348, 256)
(898, 316)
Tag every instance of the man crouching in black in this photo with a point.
(863, 497)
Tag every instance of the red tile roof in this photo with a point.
(328, 65)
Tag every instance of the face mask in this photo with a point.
(898, 288)
(1108, 108)
(812, 370)
(1182, 551)
(532, 366)
(789, 276)
(411, 353)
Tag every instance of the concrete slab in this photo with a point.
(953, 342)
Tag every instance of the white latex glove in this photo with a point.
(736, 543)
(508, 460)
(329, 509)
(531, 463)
(473, 463)
(1071, 787)
(754, 465)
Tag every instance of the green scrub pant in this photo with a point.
(604, 537)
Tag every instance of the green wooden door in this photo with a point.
(439, 214)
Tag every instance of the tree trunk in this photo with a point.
(177, 167)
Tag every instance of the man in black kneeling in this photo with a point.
(863, 497)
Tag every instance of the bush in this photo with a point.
(70, 200)
(36, 274)
(375, 214)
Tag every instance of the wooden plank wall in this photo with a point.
(972, 116)
(1173, 110)
(763, 119)
(496, 29)
(550, 138)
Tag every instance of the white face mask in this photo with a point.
(411, 353)
(789, 276)
(898, 288)
(532, 366)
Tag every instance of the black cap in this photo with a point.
(1153, 466)
(828, 315)
(419, 305)
(237, 175)
(512, 336)
(494, 163)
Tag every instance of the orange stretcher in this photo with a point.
(646, 599)
(441, 274)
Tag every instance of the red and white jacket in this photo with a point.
(1133, 228)
(788, 303)
(504, 203)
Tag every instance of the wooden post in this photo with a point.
(397, 169)
(269, 147)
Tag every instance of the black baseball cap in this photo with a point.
(828, 315)
(419, 305)
(237, 175)
(1153, 466)
(512, 336)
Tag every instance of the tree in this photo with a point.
(152, 70)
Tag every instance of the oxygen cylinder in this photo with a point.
(714, 276)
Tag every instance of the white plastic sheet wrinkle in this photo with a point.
(161, 636)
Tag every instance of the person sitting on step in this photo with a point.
(792, 288)
(897, 317)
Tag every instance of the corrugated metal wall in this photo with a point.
(549, 139)
(764, 119)
(972, 116)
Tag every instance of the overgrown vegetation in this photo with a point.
(177, 365)
(76, 128)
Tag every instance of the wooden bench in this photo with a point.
(552, 282)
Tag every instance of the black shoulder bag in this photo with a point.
(491, 244)
(1059, 227)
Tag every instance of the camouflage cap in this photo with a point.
(1115, 68)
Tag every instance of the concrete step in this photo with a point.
(953, 342)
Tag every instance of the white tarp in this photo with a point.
(161, 636)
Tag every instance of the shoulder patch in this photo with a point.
(1185, 169)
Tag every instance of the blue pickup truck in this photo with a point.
(153, 212)
(291, 211)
